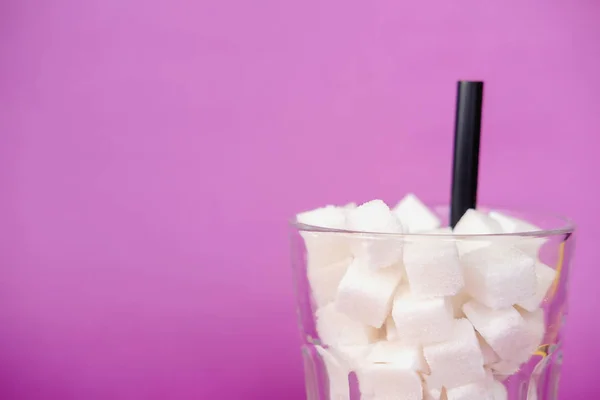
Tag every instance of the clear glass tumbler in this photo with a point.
(337, 351)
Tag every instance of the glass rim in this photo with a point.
(566, 226)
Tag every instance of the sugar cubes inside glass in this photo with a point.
(418, 310)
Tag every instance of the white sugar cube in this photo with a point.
(474, 222)
(481, 390)
(457, 361)
(407, 356)
(489, 355)
(497, 327)
(422, 320)
(365, 295)
(545, 277)
(472, 391)
(331, 217)
(499, 276)
(375, 217)
(324, 248)
(416, 216)
(351, 356)
(432, 267)
(512, 335)
(324, 281)
(337, 329)
(337, 374)
(509, 224)
(389, 381)
(377, 251)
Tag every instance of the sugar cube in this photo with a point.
(377, 251)
(497, 327)
(337, 374)
(499, 276)
(324, 248)
(510, 224)
(416, 216)
(352, 356)
(545, 277)
(480, 390)
(422, 320)
(408, 356)
(474, 222)
(472, 391)
(432, 267)
(366, 295)
(375, 217)
(389, 381)
(457, 361)
(324, 281)
(512, 335)
(337, 329)
(331, 217)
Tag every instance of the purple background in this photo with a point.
(150, 153)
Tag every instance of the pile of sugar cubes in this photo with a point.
(426, 316)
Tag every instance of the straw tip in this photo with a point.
(467, 131)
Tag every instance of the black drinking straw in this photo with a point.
(467, 133)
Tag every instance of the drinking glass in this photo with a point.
(331, 370)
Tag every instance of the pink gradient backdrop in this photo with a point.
(151, 152)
